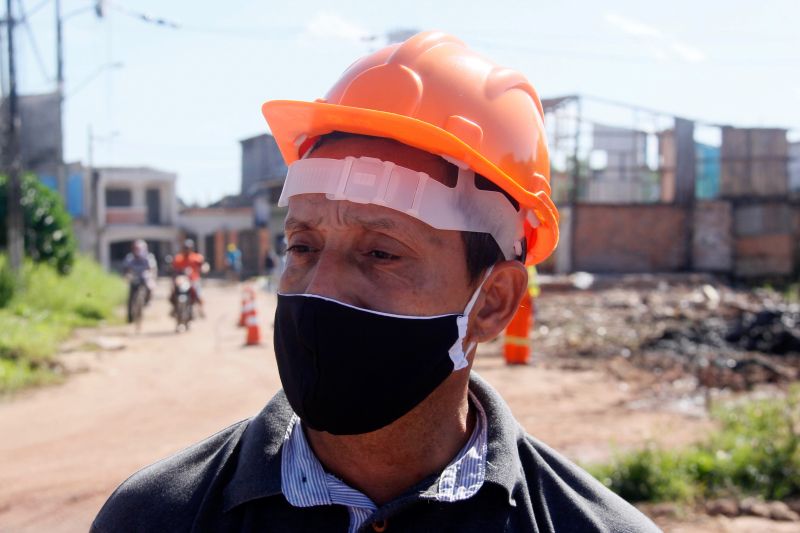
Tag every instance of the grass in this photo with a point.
(42, 312)
(755, 452)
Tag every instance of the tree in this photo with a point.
(48, 226)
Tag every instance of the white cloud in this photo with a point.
(332, 26)
(687, 52)
(632, 27)
(663, 46)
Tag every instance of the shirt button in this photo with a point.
(379, 526)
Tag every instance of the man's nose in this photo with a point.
(330, 275)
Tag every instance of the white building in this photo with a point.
(134, 203)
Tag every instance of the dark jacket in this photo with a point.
(232, 482)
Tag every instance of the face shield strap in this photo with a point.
(368, 180)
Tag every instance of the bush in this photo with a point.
(650, 474)
(44, 309)
(755, 452)
(16, 375)
(83, 297)
(48, 227)
(8, 282)
(757, 449)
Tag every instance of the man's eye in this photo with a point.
(380, 254)
(299, 249)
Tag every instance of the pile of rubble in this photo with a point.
(723, 337)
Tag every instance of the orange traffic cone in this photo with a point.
(517, 344)
(248, 305)
(253, 332)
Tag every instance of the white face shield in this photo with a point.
(367, 180)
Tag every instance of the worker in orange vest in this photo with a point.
(517, 343)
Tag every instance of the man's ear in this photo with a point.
(499, 299)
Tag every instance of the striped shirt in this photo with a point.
(305, 483)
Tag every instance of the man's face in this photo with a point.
(371, 256)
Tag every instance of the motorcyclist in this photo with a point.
(141, 268)
(193, 264)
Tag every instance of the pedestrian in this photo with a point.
(233, 263)
(417, 190)
(269, 269)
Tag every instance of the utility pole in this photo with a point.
(59, 49)
(11, 156)
(61, 177)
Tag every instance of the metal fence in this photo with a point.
(613, 153)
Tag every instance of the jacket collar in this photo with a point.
(258, 469)
(503, 465)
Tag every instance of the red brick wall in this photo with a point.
(765, 255)
(630, 238)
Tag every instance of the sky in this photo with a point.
(180, 96)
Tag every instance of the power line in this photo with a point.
(267, 34)
(34, 46)
(144, 17)
(34, 9)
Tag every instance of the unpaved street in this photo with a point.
(63, 449)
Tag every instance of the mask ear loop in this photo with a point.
(457, 353)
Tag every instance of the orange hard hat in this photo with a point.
(433, 93)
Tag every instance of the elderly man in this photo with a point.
(417, 191)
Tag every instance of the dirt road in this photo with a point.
(143, 396)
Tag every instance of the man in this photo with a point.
(269, 270)
(517, 341)
(193, 265)
(407, 237)
(141, 269)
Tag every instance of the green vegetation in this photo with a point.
(48, 227)
(756, 451)
(42, 312)
(792, 292)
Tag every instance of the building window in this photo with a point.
(118, 198)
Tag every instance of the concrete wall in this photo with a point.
(261, 161)
(40, 124)
(630, 238)
(794, 167)
(766, 238)
(712, 246)
(754, 163)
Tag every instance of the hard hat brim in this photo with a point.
(293, 122)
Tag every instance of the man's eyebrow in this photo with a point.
(295, 224)
(371, 223)
(377, 224)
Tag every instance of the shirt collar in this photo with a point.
(257, 473)
(305, 483)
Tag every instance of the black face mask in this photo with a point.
(347, 370)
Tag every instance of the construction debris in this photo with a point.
(720, 336)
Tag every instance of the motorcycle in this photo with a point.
(137, 300)
(184, 302)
